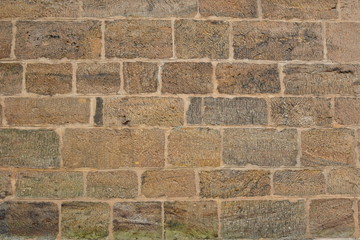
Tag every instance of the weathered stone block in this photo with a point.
(57, 40)
(29, 148)
(262, 147)
(243, 78)
(191, 220)
(114, 184)
(278, 41)
(138, 39)
(234, 183)
(150, 111)
(187, 78)
(47, 111)
(194, 147)
(347, 111)
(344, 181)
(140, 77)
(228, 8)
(49, 79)
(168, 183)
(350, 9)
(137, 220)
(5, 184)
(5, 39)
(10, 78)
(202, 39)
(263, 219)
(113, 148)
(103, 78)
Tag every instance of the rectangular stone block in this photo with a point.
(262, 147)
(98, 78)
(194, 147)
(10, 78)
(5, 39)
(301, 111)
(137, 220)
(257, 219)
(113, 148)
(139, 8)
(47, 111)
(29, 148)
(228, 8)
(149, 111)
(331, 218)
(39, 8)
(202, 39)
(327, 147)
(187, 78)
(228, 111)
(321, 79)
(278, 41)
(234, 183)
(114, 184)
(243, 78)
(57, 185)
(5, 184)
(347, 111)
(168, 183)
(194, 111)
(85, 220)
(57, 40)
(344, 181)
(299, 182)
(350, 9)
(300, 9)
(191, 220)
(29, 220)
(138, 39)
(140, 77)
(49, 79)
(342, 41)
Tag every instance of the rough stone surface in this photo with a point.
(140, 77)
(300, 9)
(29, 148)
(263, 219)
(47, 111)
(101, 78)
(319, 79)
(10, 78)
(301, 111)
(347, 111)
(139, 8)
(234, 183)
(113, 148)
(48, 185)
(342, 41)
(191, 220)
(201, 39)
(138, 39)
(152, 111)
(243, 78)
(187, 78)
(57, 40)
(327, 147)
(220, 111)
(137, 220)
(277, 41)
(114, 184)
(344, 181)
(194, 147)
(350, 9)
(5, 184)
(262, 147)
(29, 220)
(85, 220)
(5, 39)
(228, 8)
(49, 79)
(331, 218)
(168, 183)
(299, 182)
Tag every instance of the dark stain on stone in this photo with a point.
(339, 70)
(98, 118)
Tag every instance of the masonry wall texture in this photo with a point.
(179, 119)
